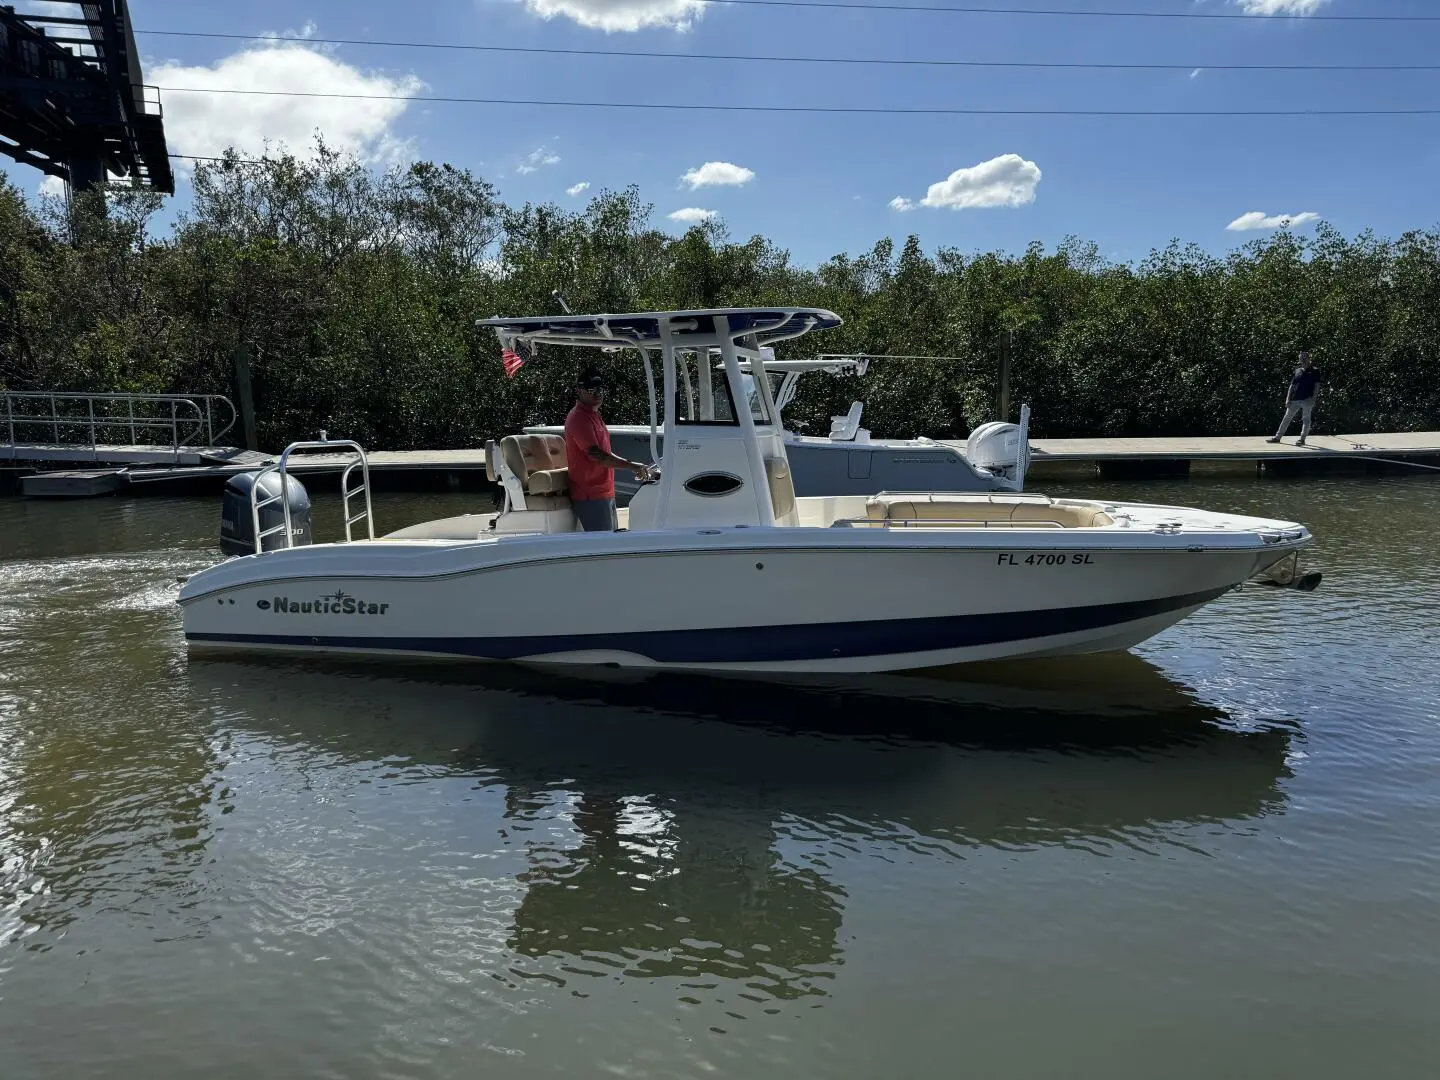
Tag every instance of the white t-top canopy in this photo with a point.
(647, 329)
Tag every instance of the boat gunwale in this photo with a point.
(1178, 543)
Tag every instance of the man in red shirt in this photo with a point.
(589, 460)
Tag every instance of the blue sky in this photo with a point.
(822, 184)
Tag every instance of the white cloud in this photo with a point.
(576, 189)
(623, 15)
(1008, 180)
(207, 124)
(1196, 73)
(692, 215)
(537, 159)
(714, 173)
(1257, 220)
(1280, 7)
(52, 185)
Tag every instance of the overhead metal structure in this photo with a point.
(72, 100)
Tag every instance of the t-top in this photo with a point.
(1302, 386)
(589, 479)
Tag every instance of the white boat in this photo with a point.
(848, 461)
(718, 564)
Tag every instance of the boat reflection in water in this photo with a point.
(677, 825)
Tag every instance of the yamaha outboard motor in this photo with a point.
(1002, 450)
(237, 524)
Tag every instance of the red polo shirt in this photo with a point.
(589, 479)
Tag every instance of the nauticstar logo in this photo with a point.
(337, 603)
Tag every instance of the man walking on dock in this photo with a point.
(1300, 399)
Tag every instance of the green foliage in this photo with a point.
(355, 292)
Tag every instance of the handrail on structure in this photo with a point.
(190, 416)
(346, 491)
(147, 100)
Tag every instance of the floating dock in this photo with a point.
(207, 468)
(119, 454)
(1174, 455)
(1239, 448)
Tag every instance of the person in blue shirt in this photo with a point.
(1300, 399)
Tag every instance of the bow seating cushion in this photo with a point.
(982, 509)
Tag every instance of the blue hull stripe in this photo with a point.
(754, 644)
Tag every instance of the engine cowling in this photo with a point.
(237, 525)
(994, 446)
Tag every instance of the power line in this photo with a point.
(651, 54)
(969, 10)
(944, 9)
(211, 157)
(879, 110)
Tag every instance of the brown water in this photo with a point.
(1214, 857)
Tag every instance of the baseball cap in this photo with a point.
(590, 380)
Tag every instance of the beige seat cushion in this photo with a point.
(983, 509)
(782, 488)
(539, 462)
(548, 482)
(1072, 517)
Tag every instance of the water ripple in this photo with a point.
(341, 870)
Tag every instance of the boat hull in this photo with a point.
(808, 600)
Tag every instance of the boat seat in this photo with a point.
(845, 428)
(984, 510)
(539, 462)
(782, 487)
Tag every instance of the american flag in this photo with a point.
(512, 359)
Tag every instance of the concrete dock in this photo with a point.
(453, 466)
(207, 468)
(311, 464)
(1119, 458)
(1239, 448)
(117, 454)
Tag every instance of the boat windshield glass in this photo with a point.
(758, 412)
(694, 406)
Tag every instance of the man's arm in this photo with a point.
(614, 461)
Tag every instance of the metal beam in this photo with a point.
(27, 157)
(24, 84)
(57, 20)
(97, 119)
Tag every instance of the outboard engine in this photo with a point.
(237, 525)
(1002, 449)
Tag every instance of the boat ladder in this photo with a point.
(347, 491)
